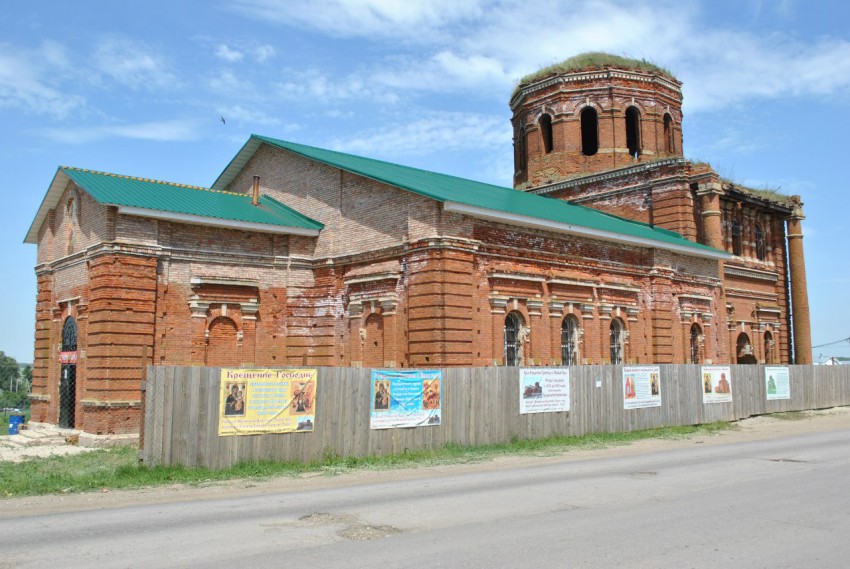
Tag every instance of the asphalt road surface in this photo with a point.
(768, 503)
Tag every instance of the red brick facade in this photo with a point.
(395, 280)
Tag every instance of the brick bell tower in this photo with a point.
(590, 113)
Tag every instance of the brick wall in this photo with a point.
(610, 95)
(392, 281)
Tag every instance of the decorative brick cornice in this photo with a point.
(610, 175)
(750, 273)
(596, 75)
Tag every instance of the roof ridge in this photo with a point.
(149, 180)
(377, 160)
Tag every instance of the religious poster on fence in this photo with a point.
(777, 383)
(259, 401)
(405, 398)
(544, 390)
(641, 387)
(716, 384)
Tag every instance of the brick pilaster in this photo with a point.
(799, 295)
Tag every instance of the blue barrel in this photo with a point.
(15, 422)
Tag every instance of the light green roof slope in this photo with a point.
(445, 188)
(187, 202)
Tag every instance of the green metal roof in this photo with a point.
(188, 203)
(445, 188)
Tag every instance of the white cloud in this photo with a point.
(365, 18)
(433, 132)
(314, 85)
(161, 131)
(30, 80)
(228, 54)
(227, 81)
(263, 52)
(238, 113)
(133, 64)
(484, 46)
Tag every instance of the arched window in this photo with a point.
(513, 339)
(760, 250)
(696, 344)
(589, 131)
(616, 342)
(768, 348)
(546, 133)
(745, 350)
(736, 237)
(373, 341)
(520, 150)
(71, 216)
(633, 131)
(669, 141)
(569, 341)
(222, 343)
(68, 377)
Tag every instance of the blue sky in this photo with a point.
(137, 88)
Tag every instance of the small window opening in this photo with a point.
(768, 348)
(736, 237)
(589, 131)
(546, 132)
(760, 249)
(520, 150)
(669, 144)
(633, 131)
(569, 341)
(696, 344)
(616, 342)
(513, 339)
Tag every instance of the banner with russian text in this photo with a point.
(259, 401)
(544, 390)
(405, 398)
(777, 383)
(716, 384)
(641, 387)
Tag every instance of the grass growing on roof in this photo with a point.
(119, 468)
(594, 60)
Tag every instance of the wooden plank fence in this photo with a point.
(479, 406)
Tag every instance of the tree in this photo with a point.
(26, 378)
(14, 383)
(10, 373)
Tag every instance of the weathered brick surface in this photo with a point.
(394, 281)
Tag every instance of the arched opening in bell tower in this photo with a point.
(669, 144)
(633, 131)
(589, 131)
(546, 133)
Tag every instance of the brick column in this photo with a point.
(712, 230)
(799, 293)
(709, 194)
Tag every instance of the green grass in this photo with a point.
(594, 60)
(119, 468)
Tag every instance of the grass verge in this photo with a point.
(119, 468)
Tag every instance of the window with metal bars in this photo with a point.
(513, 339)
(696, 332)
(569, 341)
(616, 342)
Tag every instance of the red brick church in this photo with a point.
(611, 248)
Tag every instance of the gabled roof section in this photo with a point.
(485, 200)
(175, 202)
